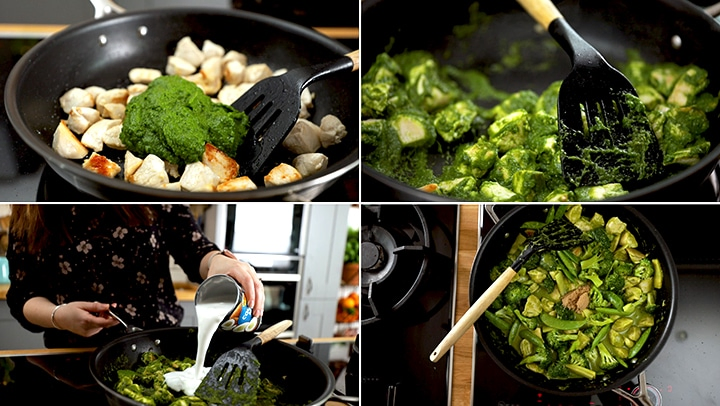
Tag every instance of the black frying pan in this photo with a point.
(611, 26)
(303, 377)
(494, 247)
(101, 52)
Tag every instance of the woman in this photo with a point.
(70, 264)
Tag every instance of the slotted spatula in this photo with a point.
(558, 234)
(234, 377)
(273, 106)
(603, 130)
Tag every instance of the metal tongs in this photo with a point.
(128, 328)
(642, 397)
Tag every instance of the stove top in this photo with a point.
(684, 371)
(408, 297)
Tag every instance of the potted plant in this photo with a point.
(351, 267)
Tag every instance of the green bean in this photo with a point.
(514, 330)
(600, 335)
(611, 311)
(639, 343)
(614, 299)
(496, 321)
(560, 324)
(530, 336)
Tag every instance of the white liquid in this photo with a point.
(209, 315)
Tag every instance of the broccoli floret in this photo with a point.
(622, 268)
(542, 357)
(458, 119)
(592, 356)
(643, 269)
(578, 359)
(590, 275)
(515, 293)
(558, 340)
(475, 159)
(557, 370)
(650, 305)
(563, 313)
(597, 299)
(548, 284)
(607, 360)
(529, 322)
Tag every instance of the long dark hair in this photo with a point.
(38, 224)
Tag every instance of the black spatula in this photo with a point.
(234, 377)
(273, 105)
(604, 133)
(556, 235)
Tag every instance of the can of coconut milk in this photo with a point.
(223, 289)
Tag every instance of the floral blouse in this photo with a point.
(110, 262)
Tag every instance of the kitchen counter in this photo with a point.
(463, 351)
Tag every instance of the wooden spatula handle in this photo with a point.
(543, 11)
(355, 56)
(274, 330)
(474, 313)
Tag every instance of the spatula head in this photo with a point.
(559, 234)
(604, 132)
(232, 380)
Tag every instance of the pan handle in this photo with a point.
(105, 8)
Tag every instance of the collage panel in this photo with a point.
(491, 104)
(507, 304)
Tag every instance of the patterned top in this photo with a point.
(109, 262)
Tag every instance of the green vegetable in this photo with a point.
(174, 119)
(557, 339)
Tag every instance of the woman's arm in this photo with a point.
(82, 318)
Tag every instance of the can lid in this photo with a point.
(218, 288)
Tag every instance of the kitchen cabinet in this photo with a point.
(13, 336)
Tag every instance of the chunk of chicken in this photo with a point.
(257, 72)
(115, 111)
(211, 49)
(303, 138)
(95, 91)
(281, 175)
(187, 50)
(101, 165)
(81, 118)
(66, 144)
(306, 103)
(310, 163)
(111, 96)
(234, 56)
(333, 130)
(229, 93)
(132, 163)
(220, 163)
(197, 177)
(135, 89)
(76, 97)
(234, 72)
(237, 185)
(209, 78)
(95, 136)
(151, 173)
(178, 66)
(144, 75)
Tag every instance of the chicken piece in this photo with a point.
(257, 72)
(303, 138)
(111, 96)
(211, 49)
(233, 72)
(151, 173)
(229, 93)
(144, 75)
(220, 163)
(178, 66)
(135, 89)
(237, 185)
(81, 118)
(310, 163)
(76, 97)
(172, 186)
(172, 169)
(197, 177)
(66, 144)
(281, 175)
(132, 163)
(115, 111)
(234, 56)
(187, 50)
(306, 103)
(333, 130)
(94, 91)
(94, 137)
(101, 165)
(111, 137)
(209, 78)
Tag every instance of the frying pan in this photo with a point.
(101, 52)
(494, 247)
(612, 27)
(304, 377)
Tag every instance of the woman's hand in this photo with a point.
(244, 273)
(84, 318)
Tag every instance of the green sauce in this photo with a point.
(174, 119)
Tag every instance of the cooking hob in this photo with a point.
(408, 278)
(685, 371)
